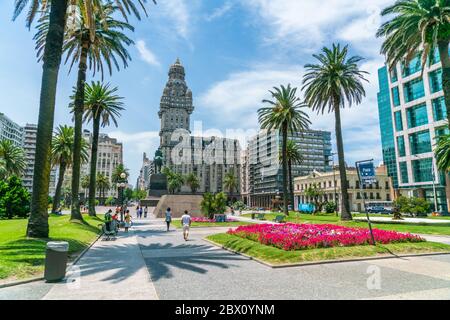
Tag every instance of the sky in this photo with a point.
(233, 52)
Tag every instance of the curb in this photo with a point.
(69, 268)
(311, 263)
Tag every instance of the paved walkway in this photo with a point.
(405, 220)
(150, 263)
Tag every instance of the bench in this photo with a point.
(279, 219)
(261, 216)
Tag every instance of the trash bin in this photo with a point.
(56, 260)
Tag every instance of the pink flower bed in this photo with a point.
(206, 220)
(291, 236)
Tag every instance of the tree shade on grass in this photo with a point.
(331, 84)
(284, 115)
(22, 258)
(418, 26)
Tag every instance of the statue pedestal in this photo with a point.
(158, 185)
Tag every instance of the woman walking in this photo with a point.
(127, 220)
(168, 218)
(145, 212)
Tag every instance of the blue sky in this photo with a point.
(233, 51)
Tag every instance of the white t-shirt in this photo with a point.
(185, 219)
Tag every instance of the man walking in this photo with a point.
(186, 222)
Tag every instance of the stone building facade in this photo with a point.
(210, 158)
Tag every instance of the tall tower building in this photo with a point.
(175, 109)
(412, 119)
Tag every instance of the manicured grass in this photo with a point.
(441, 229)
(278, 256)
(177, 223)
(22, 258)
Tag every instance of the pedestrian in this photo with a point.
(137, 212)
(140, 212)
(186, 222)
(145, 212)
(127, 220)
(168, 218)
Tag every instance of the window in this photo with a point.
(435, 78)
(439, 110)
(395, 97)
(414, 90)
(393, 74)
(422, 170)
(412, 67)
(401, 146)
(417, 116)
(435, 57)
(404, 172)
(420, 142)
(441, 131)
(398, 121)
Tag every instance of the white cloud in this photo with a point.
(311, 23)
(146, 54)
(177, 11)
(233, 103)
(220, 11)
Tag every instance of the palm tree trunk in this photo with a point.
(445, 60)
(285, 173)
(345, 205)
(38, 222)
(57, 197)
(78, 116)
(93, 172)
(291, 184)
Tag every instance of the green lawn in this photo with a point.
(22, 258)
(177, 223)
(278, 256)
(441, 229)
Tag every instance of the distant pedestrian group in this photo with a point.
(186, 222)
(140, 211)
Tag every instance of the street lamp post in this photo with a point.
(122, 185)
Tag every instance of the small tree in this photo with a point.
(314, 192)
(330, 207)
(14, 199)
(412, 206)
(213, 204)
(193, 182)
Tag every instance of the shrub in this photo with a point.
(412, 206)
(14, 199)
(213, 204)
(330, 207)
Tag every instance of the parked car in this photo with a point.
(379, 210)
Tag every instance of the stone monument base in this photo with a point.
(179, 203)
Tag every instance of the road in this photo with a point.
(198, 270)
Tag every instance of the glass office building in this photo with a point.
(412, 118)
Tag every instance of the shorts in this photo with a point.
(186, 228)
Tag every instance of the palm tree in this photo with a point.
(116, 174)
(107, 43)
(193, 182)
(294, 158)
(103, 185)
(38, 222)
(443, 153)
(3, 171)
(102, 106)
(174, 180)
(418, 25)
(329, 85)
(230, 181)
(85, 184)
(12, 159)
(62, 156)
(284, 115)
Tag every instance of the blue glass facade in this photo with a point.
(413, 90)
(401, 146)
(417, 116)
(398, 121)
(439, 110)
(420, 142)
(395, 96)
(404, 172)
(386, 126)
(435, 79)
(423, 170)
(412, 67)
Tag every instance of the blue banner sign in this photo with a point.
(367, 172)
